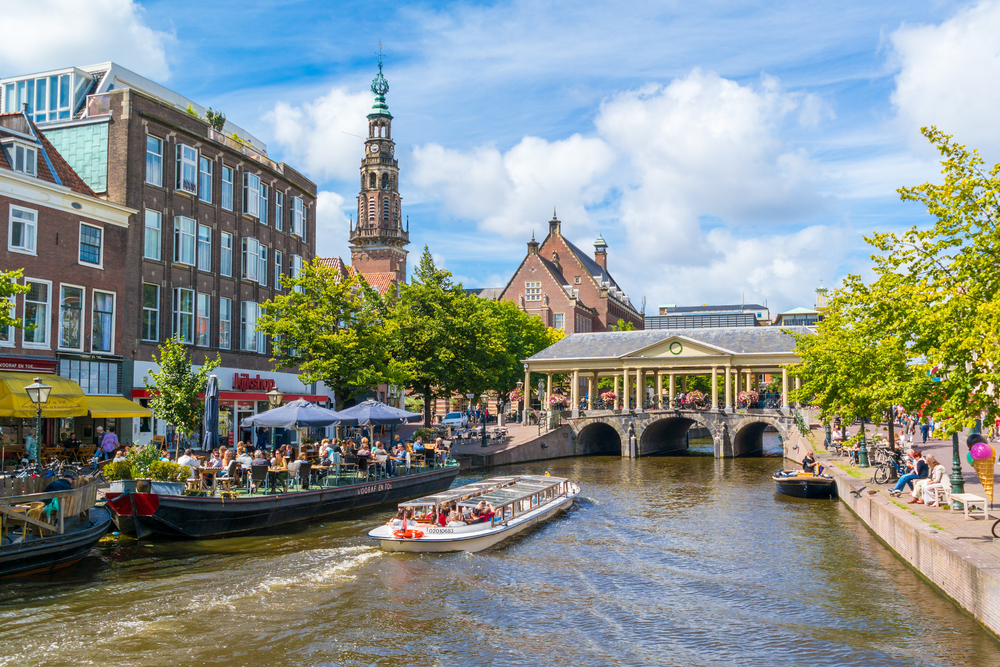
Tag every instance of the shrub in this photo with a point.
(120, 470)
(168, 471)
(425, 433)
(140, 459)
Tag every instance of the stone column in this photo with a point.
(616, 390)
(659, 389)
(640, 389)
(684, 383)
(798, 385)
(591, 391)
(548, 391)
(671, 389)
(527, 394)
(574, 393)
(784, 388)
(625, 390)
(715, 388)
(729, 388)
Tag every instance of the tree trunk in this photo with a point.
(892, 431)
(427, 405)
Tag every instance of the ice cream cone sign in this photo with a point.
(983, 460)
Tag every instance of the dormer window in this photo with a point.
(22, 158)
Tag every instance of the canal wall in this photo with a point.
(965, 570)
(555, 444)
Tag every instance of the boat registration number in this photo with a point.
(375, 488)
(440, 531)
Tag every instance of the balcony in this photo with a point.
(377, 234)
(240, 146)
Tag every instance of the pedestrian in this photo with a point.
(924, 430)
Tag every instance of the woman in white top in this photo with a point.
(928, 487)
(455, 519)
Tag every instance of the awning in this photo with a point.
(65, 400)
(115, 406)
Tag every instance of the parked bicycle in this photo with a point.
(888, 465)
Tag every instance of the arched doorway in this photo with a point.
(600, 438)
(665, 436)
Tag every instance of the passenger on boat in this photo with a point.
(418, 445)
(294, 466)
(400, 459)
(279, 460)
(809, 464)
(214, 461)
(259, 460)
(397, 521)
(244, 459)
(227, 457)
(190, 461)
(455, 519)
(324, 449)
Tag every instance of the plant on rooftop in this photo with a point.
(216, 119)
(192, 111)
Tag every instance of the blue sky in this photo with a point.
(721, 148)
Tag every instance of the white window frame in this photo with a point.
(298, 218)
(205, 178)
(262, 266)
(100, 248)
(21, 152)
(153, 157)
(533, 290)
(93, 319)
(155, 311)
(295, 270)
(198, 317)
(199, 243)
(147, 229)
(33, 225)
(181, 163)
(225, 250)
(279, 210)
(251, 194)
(225, 323)
(250, 258)
(278, 256)
(262, 210)
(8, 339)
(47, 343)
(83, 317)
(245, 330)
(226, 196)
(177, 315)
(559, 317)
(180, 235)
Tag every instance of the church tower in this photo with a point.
(378, 240)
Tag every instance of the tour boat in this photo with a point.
(209, 516)
(803, 484)
(41, 545)
(519, 502)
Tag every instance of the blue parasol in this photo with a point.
(210, 420)
(295, 414)
(371, 412)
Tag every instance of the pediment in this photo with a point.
(678, 347)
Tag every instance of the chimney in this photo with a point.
(601, 252)
(554, 225)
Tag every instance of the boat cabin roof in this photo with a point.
(514, 493)
(456, 494)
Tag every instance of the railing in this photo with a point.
(383, 232)
(71, 502)
(349, 474)
(240, 146)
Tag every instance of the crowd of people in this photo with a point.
(447, 515)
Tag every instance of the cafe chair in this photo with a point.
(257, 478)
(227, 482)
(301, 479)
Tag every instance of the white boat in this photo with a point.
(519, 502)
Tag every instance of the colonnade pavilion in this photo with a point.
(668, 355)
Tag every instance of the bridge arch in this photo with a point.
(747, 435)
(599, 437)
(665, 435)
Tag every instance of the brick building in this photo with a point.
(218, 224)
(71, 247)
(566, 288)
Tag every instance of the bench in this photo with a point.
(970, 502)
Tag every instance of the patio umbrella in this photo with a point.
(295, 414)
(371, 412)
(211, 418)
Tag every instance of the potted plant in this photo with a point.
(120, 476)
(168, 478)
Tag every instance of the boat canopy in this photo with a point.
(457, 494)
(522, 490)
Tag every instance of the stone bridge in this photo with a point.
(665, 431)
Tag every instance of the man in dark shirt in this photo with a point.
(259, 460)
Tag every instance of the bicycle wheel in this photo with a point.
(881, 475)
(996, 530)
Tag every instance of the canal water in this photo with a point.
(663, 561)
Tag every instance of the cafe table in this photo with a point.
(203, 475)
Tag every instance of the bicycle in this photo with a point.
(887, 466)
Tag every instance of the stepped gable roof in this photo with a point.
(599, 273)
(615, 344)
(20, 127)
(381, 282)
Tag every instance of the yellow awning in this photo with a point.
(115, 406)
(65, 400)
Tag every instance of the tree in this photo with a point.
(10, 287)
(216, 119)
(334, 329)
(176, 389)
(623, 326)
(927, 329)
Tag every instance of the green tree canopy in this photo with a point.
(175, 390)
(9, 287)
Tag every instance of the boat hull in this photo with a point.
(57, 551)
(200, 518)
(474, 542)
(804, 487)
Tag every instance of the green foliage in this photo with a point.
(414, 404)
(141, 458)
(425, 433)
(192, 111)
(168, 471)
(800, 423)
(216, 119)
(9, 287)
(119, 470)
(932, 312)
(174, 392)
(334, 329)
(623, 326)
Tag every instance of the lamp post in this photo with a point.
(863, 447)
(520, 391)
(38, 392)
(274, 400)
(957, 480)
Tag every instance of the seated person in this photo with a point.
(809, 463)
(324, 449)
(455, 519)
(244, 459)
(71, 444)
(397, 521)
(259, 460)
(190, 461)
(119, 456)
(215, 461)
(418, 446)
(294, 466)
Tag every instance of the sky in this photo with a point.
(726, 151)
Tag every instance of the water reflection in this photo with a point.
(673, 560)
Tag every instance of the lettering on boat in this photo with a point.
(375, 488)
(440, 530)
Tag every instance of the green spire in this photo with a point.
(380, 87)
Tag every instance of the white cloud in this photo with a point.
(949, 76)
(48, 34)
(332, 225)
(510, 193)
(323, 138)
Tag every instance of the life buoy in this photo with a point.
(408, 534)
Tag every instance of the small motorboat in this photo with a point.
(803, 484)
(519, 502)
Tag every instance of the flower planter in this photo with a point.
(168, 488)
(123, 486)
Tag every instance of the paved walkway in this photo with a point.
(519, 435)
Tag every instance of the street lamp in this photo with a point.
(274, 400)
(39, 395)
(957, 480)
